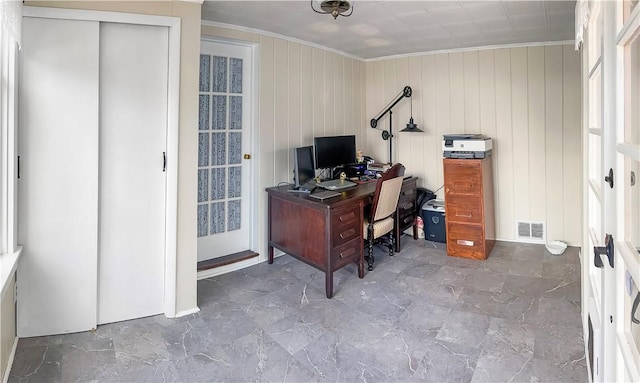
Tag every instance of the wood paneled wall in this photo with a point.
(304, 92)
(527, 99)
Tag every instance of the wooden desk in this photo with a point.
(324, 234)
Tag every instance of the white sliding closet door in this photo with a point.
(58, 185)
(133, 126)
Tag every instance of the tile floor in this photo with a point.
(419, 316)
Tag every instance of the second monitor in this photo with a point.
(334, 151)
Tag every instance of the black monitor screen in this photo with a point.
(335, 151)
(303, 169)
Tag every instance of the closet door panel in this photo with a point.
(58, 184)
(133, 125)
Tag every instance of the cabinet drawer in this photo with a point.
(464, 209)
(462, 178)
(464, 240)
(345, 225)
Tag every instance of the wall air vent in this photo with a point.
(530, 231)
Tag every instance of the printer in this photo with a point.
(466, 146)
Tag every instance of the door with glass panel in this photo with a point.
(627, 169)
(611, 260)
(224, 166)
(596, 270)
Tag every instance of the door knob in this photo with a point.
(247, 156)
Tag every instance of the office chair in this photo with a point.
(383, 210)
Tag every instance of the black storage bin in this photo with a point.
(433, 216)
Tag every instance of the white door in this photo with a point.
(627, 169)
(611, 263)
(58, 184)
(133, 126)
(597, 272)
(224, 172)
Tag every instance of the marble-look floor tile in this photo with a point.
(419, 316)
(559, 343)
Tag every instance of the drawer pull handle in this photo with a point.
(464, 242)
(463, 185)
(347, 234)
(346, 217)
(467, 215)
(347, 253)
(407, 219)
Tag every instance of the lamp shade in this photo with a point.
(411, 127)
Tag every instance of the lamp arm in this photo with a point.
(406, 92)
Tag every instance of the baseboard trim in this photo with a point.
(187, 312)
(7, 372)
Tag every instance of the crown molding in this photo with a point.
(392, 57)
(278, 36)
(481, 48)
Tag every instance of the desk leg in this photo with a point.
(270, 254)
(329, 283)
(360, 264)
(398, 234)
(415, 231)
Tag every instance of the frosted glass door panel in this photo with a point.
(58, 185)
(133, 125)
(223, 174)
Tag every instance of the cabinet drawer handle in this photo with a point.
(347, 253)
(465, 214)
(463, 185)
(347, 217)
(407, 219)
(347, 234)
(464, 242)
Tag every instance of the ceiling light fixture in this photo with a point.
(334, 7)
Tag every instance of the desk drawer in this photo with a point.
(346, 253)
(345, 225)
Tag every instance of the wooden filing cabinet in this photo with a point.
(406, 210)
(469, 207)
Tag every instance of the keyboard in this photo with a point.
(336, 184)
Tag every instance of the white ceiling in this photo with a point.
(385, 28)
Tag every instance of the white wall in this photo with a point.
(527, 99)
(303, 92)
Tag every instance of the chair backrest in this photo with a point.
(385, 198)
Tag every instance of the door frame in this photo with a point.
(173, 114)
(254, 140)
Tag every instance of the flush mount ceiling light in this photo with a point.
(334, 7)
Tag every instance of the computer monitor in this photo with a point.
(335, 151)
(303, 169)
